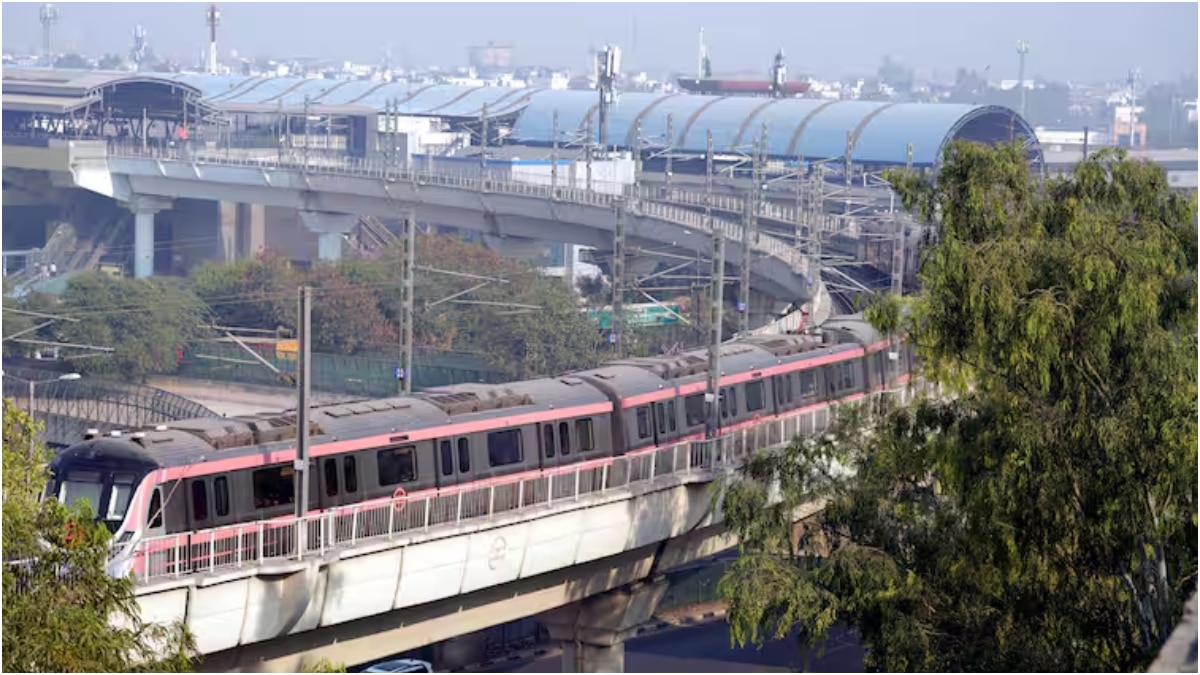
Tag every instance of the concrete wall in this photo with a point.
(286, 234)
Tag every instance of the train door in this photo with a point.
(329, 484)
(200, 517)
(453, 461)
(547, 446)
(199, 513)
(660, 423)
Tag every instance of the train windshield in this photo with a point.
(108, 495)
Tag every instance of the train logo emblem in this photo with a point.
(498, 553)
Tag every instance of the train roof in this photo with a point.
(189, 441)
(854, 327)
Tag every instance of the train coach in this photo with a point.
(200, 474)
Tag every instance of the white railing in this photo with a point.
(478, 182)
(290, 538)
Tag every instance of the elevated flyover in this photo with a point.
(332, 194)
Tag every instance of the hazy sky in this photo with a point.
(1068, 40)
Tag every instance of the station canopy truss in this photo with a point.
(91, 104)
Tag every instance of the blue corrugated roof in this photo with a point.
(879, 131)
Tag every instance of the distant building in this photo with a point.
(491, 57)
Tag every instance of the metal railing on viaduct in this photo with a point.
(639, 201)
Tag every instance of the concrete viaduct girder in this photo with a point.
(495, 213)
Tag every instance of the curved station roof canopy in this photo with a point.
(877, 132)
(62, 92)
(871, 132)
(267, 94)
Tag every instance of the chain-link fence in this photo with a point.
(68, 407)
(333, 373)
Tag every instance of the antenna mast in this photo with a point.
(213, 19)
(1022, 50)
(48, 15)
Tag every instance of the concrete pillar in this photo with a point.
(593, 631)
(144, 209)
(227, 230)
(251, 228)
(329, 246)
(329, 227)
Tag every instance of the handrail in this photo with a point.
(318, 164)
(290, 538)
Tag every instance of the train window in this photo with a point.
(848, 374)
(82, 486)
(777, 381)
(119, 496)
(724, 394)
(564, 438)
(548, 439)
(808, 384)
(733, 404)
(350, 474)
(693, 409)
(446, 450)
(221, 495)
(154, 514)
(754, 396)
(643, 422)
(464, 455)
(583, 434)
(787, 387)
(396, 465)
(199, 501)
(331, 477)
(274, 486)
(661, 413)
(504, 447)
(671, 422)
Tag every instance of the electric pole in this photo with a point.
(554, 157)
(898, 243)
(483, 138)
(407, 281)
(716, 300)
(587, 152)
(303, 387)
(618, 277)
(670, 148)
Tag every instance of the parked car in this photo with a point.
(401, 666)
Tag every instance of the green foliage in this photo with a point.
(356, 306)
(147, 322)
(253, 293)
(1045, 519)
(58, 599)
(323, 666)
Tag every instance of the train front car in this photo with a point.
(109, 474)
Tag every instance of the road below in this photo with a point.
(706, 649)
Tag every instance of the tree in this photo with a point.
(62, 612)
(254, 293)
(529, 325)
(146, 321)
(345, 315)
(1045, 518)
(72, 62)
(111, 62)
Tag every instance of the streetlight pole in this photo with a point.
(68, 377)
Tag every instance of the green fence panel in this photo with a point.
(334, 373)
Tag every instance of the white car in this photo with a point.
(401, 666)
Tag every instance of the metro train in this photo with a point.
(206, 473)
